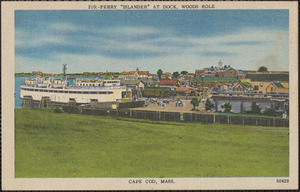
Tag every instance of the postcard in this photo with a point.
(164, 95)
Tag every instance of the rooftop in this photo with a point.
(183, 88)
(167, 82)
(266, 77)
(215, 79)
(277, 85)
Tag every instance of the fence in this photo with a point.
(108, 105)
(181, 116)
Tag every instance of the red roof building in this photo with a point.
(171, 83)
(167, 82)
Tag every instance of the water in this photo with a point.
(20, 80)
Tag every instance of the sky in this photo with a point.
(171, 40)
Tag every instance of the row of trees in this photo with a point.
(255, 109)
(208, 105)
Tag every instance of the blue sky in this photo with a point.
(153, 39)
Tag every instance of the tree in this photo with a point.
(287, 110)
(208, 105)
(268, 111)
(183, 72)
(195, 102)
(227, 106)
(175, 74)
(255, 109)
(262, 69)
(159, 73)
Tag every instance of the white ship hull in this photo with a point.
(81, 95)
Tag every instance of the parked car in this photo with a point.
(165, 101)
(153, 100)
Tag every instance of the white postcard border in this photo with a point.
(9, 182)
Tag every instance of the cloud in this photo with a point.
(132, 31)
(24, 39)
(63, 27)
(238, 43)
(149, 47)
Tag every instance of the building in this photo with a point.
(137, 74)
(260, 81)
(199, 72)
(227, 72)
(211, 81)
(166, 75)
(184, 83)
(243, 87)
(241, 101)
(217, 71)
(133, 84)
(171, 83)
(184, 91)
(276, 87)
(270, 72)
(240, 75)
(185, 77)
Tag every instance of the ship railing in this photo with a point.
(28, 85)
(96, 88)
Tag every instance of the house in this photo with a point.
(185, 77)
(199, 72)
(276, 87)
(184, 83)
(243, 87)
(166, 75)
(133, 84)
(150, 82)
(171, 83)
(260, 81)
(184, 91)
(227, 72)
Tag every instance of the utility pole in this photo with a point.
(64, 70)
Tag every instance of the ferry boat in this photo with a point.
(83, 91)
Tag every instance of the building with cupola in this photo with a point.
(218, 71)
(137, 74)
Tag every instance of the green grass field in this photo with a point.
(51, 144)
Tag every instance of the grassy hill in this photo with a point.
(51, 144)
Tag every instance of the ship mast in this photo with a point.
(64, 71)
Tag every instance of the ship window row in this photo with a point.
(111, 81)
(66, 91)
(81, 84)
